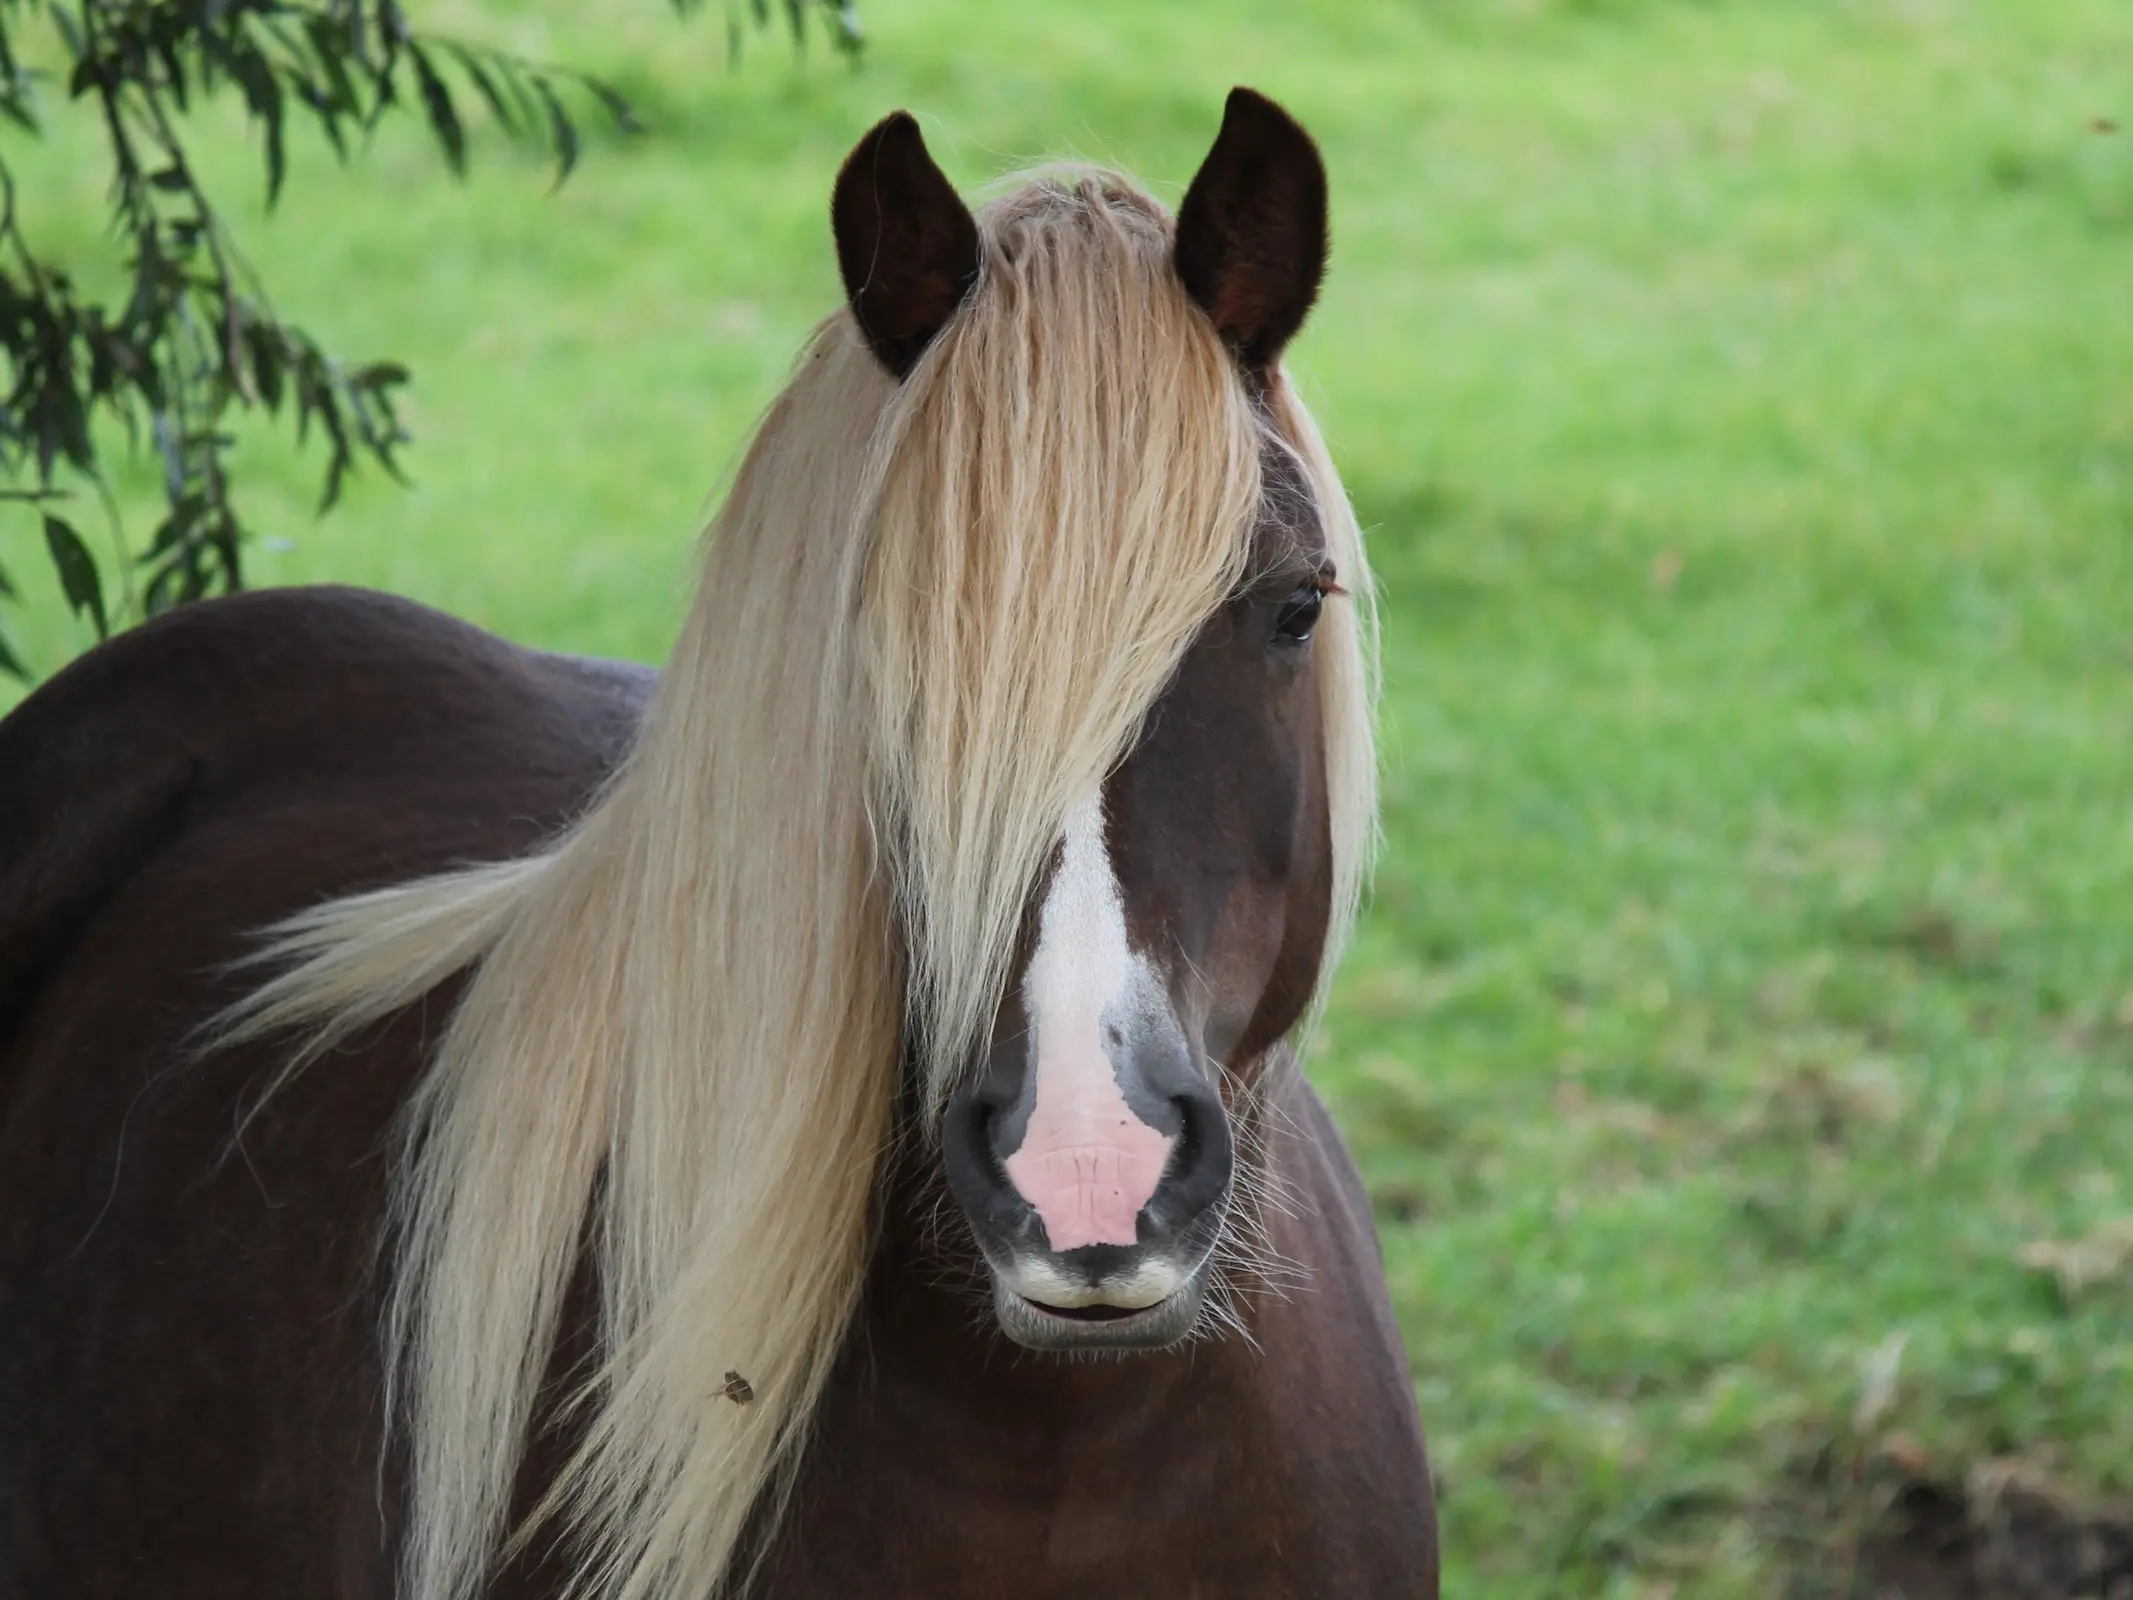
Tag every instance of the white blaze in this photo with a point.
(1087, 1162)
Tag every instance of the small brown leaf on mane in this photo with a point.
(737, 1389)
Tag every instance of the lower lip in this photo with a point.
(1095, 1327)
(1094, 1315)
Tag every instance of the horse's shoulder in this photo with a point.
(276, 694)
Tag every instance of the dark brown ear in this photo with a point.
(906, 243)
(1251, 242)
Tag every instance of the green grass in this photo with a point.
(1741, 399)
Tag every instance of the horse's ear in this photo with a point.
(1251, 240)
(906, 243)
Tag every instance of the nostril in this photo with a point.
(988, 1140)
(1200, 1162)
(1191, 1120)
(974, 1116)
(976, 1174)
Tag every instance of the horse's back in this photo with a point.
(188, 1373)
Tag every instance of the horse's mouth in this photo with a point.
(1097, 1327)
(1092, 1313)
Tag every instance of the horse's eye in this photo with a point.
(1299, 615)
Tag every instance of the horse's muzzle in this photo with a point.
(1076, 1263)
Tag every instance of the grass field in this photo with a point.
(1740, 396)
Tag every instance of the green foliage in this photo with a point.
(1740, 1044)
(194, 336)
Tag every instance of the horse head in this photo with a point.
(1177, 930)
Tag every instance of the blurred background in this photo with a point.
(1739, 398)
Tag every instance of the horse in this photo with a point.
(822, 1120)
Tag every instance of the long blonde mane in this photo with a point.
(932, 615)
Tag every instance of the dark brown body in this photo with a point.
(189, 1369)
